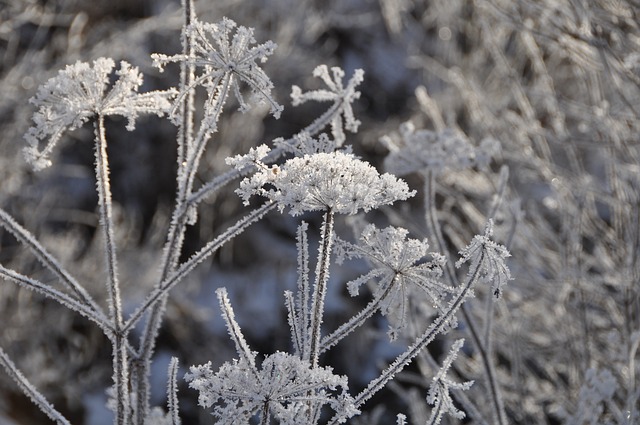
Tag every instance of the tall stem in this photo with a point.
(120, 366)
(487, 362)
(192, 148)
(320, 287)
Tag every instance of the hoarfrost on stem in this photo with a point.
(78, 93)
(335, 181)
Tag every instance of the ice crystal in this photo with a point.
(335, 181)
(441, 385)
(491, 258)
(78, 93)
(342, 97)
(399, 265)
(224, 59)
(436, 151)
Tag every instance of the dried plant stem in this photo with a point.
(487, 363)
(30, 391)
(320, 286)
(120, 365)
(357, 320)
(27, 239)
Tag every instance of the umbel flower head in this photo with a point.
(78, 93)
(334, 181)
(285, 387)
(224, 60)
(421, 150)
(401, 271)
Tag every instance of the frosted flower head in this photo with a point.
(341, 96)
(224, 58)
(490, 257)
(401, 271)
(335, 181)
(421, 150)
(285, 388)
(80, 92)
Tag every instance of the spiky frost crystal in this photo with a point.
(79, 92)
(335, 181)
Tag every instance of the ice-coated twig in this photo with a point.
(62, 298)
(172, 391)
(48, 260)
(441, 385)
(304, 290)
(242, 348)
(120, 362)
(320, 287)
(30, 391)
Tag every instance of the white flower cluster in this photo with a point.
(286, 388)
(78, 93)
(335, 181)
(224, 59)
(438, 152)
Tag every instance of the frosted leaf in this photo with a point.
(335, 181)
(438, 394)
(285, 388)
(491, 257)
(399, 264)
(222, 56)
(80, 92)
(342, 97)
(435, 151)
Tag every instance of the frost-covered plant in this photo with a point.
(78, 93)
(286, 386)
(439, 390)
(401, 272)
(296, 388)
